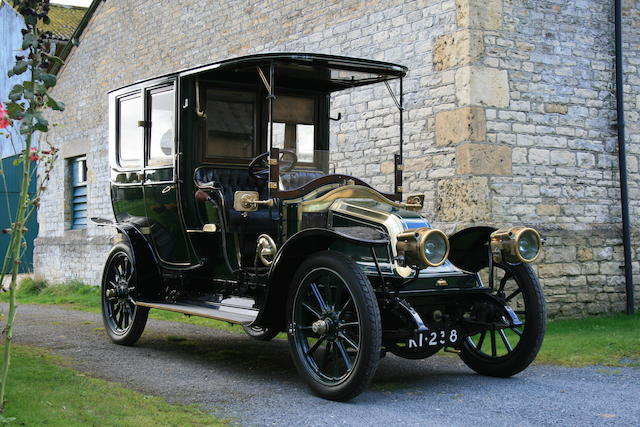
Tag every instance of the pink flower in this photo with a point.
(4, 118)
(34, 155)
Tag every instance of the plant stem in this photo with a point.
(16, 239)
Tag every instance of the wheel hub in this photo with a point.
(321, 327)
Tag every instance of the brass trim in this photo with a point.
(442, 283)
(273, 162)
(400, 167)
(412, 243)
(400, 189)
(505, 241)
(273, 185)
(266, 249)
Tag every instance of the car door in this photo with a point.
(166, 226)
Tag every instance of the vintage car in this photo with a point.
(231, 206)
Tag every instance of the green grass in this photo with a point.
(606, 340)
(43, 390)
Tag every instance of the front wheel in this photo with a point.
(123, 320)
(334, 326)
(503, 352)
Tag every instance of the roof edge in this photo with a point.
(75, 37)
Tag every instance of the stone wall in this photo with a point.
(510, 115)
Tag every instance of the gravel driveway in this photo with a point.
(255, 383)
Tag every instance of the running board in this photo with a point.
(229, 314)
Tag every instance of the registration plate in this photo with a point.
(435, 338)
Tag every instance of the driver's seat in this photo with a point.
(230, 180)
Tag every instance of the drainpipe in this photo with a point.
(622, 160)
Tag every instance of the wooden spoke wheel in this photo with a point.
(123, 320)
(504, 350)
(334, 326)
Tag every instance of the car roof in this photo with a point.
(328, 72)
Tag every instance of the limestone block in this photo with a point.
(483, 159)
(387, 167)
(546, 209)
(484, 86)
(463, 199)
(463, 124)
(485, 14)
(455, 49)
(556, 108)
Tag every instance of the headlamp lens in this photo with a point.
(435, 248)
(528, 245)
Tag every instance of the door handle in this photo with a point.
(168, 188)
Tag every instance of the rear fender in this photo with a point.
(294, 251)
(145, 263)
(469, 249)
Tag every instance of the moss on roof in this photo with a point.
(64, 20)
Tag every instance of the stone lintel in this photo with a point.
(462, 124)
(483, 159)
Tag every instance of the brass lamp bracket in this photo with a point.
(248, 201)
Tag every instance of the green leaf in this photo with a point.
(16, 93)
(28, 94)
(40, 123)
(20, 67)
(30, 19)
(53, 58)
(40, 89)
(28, 85)
(49, 80)
(29, 40)
(15, 110)
(17, 161)
(55, 105)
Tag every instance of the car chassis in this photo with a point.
(279, 241)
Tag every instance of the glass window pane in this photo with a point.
(162, 128)
(230, 124)
(130, 143)
(304, 143)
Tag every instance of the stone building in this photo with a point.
(510, 116)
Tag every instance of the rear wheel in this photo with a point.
(123, 320)
(259, 333)
(505, 351)
(334, 326)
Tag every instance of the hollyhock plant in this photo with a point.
(23, 113)
(5, 121)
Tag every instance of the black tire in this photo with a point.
(123, 320)
(260, 334)
(330, 292)
(518, 287)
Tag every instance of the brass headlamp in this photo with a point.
(515, 244)
(423, 247)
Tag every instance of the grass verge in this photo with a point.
(43, 391)
(604, 340)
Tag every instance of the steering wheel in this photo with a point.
(259, 167)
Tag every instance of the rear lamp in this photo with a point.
(516, 244)
(423, 247)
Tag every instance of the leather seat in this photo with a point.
(296, 179)
(231, 180)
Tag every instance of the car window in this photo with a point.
(130, 139)
(161, 141)
(230, 122)
(294, 126)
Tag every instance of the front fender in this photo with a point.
(289, 257)
(469, 249)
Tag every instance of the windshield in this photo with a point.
(353, 132)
